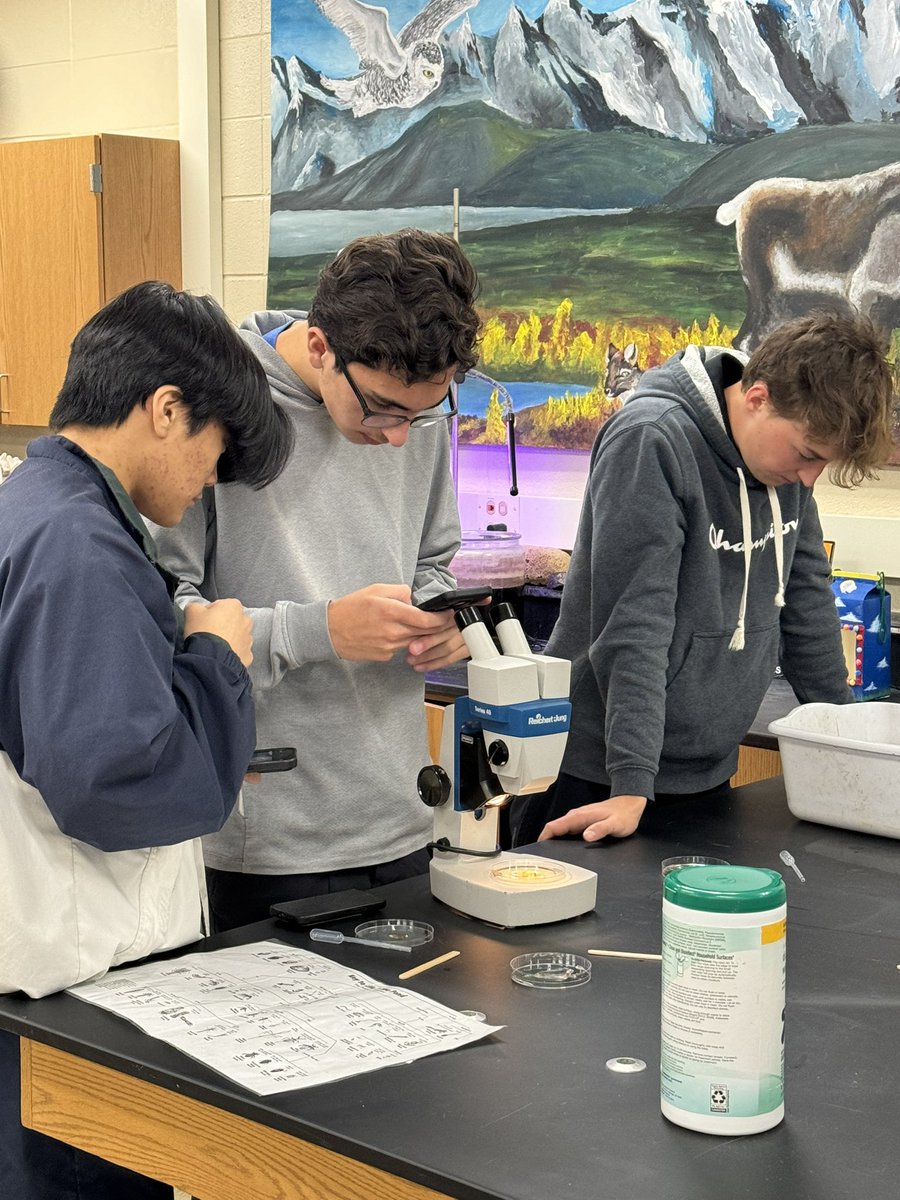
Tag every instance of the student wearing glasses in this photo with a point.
(330, 561)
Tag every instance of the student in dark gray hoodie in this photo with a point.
(699, 553)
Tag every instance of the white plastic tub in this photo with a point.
(841, 764)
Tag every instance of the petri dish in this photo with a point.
(550, 969)
(691, 860)
(529, 874)
(404, 932)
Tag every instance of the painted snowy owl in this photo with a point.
(394, 72)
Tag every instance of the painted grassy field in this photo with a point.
(641, 267)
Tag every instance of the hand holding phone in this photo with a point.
(374, 622)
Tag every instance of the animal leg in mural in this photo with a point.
(804, 244)
(622, 372)
(395, 72)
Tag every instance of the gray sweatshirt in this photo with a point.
(341, 517)
(672, 610)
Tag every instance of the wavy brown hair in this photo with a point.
(828, 371)
(400, 302)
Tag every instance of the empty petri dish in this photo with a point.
(408, 933)
(550, 969)
(691, 860)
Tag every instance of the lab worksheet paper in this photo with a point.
(273, 1018)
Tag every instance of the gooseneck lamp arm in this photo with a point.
(509, 420)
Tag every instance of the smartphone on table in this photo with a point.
(334, 906)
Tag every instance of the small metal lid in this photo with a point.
(625, 1064)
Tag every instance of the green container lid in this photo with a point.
(725, 889)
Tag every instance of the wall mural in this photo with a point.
(632, 176)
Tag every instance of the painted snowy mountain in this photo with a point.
(712, 71)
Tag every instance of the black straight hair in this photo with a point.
(153, 335)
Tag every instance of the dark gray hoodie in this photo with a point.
(686, 575)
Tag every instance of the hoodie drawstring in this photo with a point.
(778, 526)
(694, 362)
(737, 638)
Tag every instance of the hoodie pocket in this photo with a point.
(713, 699)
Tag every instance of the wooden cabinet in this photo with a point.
(81, 219)
(434, 725)
(755, 763)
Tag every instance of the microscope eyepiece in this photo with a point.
(475, 633)
(468, 616)
(503, 611)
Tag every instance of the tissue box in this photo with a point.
(841, 765)
(864, 610)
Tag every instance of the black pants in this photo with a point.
(236, 899)
(36, 1167)
(531, 813)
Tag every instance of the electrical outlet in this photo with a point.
(498, 509)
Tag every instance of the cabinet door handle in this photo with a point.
(3, 411)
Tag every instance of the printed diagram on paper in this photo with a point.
(273, 1018)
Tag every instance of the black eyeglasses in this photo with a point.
(391, 420)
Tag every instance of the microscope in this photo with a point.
(506, 738)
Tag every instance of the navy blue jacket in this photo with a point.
(132, 738)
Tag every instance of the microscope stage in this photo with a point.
(512, 890)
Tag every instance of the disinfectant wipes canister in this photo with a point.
(723, 965)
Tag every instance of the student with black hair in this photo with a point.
(126, 725)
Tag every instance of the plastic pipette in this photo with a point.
(335, 936)
(788, 859)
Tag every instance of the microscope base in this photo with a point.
(512, 890)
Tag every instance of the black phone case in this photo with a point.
(456, 599)
(318, 910)
(280, 758)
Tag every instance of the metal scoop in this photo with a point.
(335, 936)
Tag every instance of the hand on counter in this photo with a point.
(372, 624)
(616, 817)
(227, 620)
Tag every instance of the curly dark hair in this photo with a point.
(402, 303)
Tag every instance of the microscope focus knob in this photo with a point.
(498, 754)
(433, 786)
